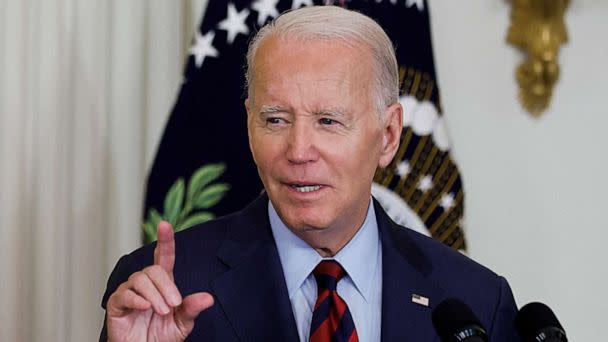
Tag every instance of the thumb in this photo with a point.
(191, 306)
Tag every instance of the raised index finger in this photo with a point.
(164, 253)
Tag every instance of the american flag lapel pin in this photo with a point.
(418, 299)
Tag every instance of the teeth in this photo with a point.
(306, 188)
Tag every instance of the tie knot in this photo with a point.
(328, 273)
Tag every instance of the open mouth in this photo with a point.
(306, 188)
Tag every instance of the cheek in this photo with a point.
(366, 146)
(355, 160)
(265, 150)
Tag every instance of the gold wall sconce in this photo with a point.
(538, 29)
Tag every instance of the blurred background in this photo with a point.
(86, 88)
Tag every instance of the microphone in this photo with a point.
(536, 322)
(454, 321)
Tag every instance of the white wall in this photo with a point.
(536, 189)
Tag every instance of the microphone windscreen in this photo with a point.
(452, 316)
(534, 318)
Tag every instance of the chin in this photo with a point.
(306, 220)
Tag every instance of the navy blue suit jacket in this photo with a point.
(236, 260)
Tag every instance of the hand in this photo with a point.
(148, 306)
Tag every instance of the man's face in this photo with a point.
(314, 132)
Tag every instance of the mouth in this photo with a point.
(306, 188)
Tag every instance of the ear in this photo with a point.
(391, 133)
(248, 105)
(249, 123)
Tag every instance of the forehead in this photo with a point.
(294, 45)
(289, 61)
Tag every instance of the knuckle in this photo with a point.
(117, 296)
(135, 277)
(112, 299)
(119, 290)
(138, 281)
(154, 270)
(131, 298)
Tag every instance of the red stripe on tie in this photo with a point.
(336, 311)
(340, 305)
(353, 337)
(331, 268)
(323, 333)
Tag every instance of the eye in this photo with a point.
(327, 121)
(275, 121)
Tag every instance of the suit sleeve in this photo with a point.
(503, 324)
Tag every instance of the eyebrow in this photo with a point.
(271, 109)
(336, 112)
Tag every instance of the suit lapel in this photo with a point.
(252, 293)
(405, 271)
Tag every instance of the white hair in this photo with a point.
(336, 23)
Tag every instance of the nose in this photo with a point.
(300, 145)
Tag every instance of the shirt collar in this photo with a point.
(298, 259)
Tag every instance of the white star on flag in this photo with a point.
(265, 9)
(298, 3)
(234, 23)
(403, 168)
(203, 47)
(447, 201)
(426, 183)
(419, 4)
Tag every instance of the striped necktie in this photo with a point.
(331, 319)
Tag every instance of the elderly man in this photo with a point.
(315, 258)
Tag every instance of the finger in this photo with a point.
(124, 300)
(191, 307)
(143, 286)
(164, 253)
(164, 284)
